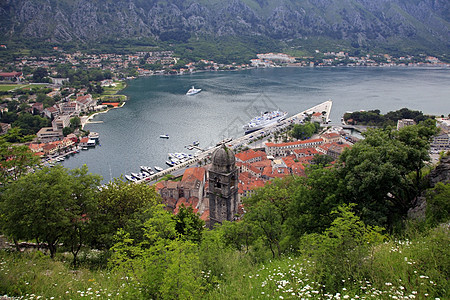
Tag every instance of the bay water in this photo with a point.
(129, 136)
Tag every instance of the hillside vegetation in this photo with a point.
(341, 232)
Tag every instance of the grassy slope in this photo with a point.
(416, 267)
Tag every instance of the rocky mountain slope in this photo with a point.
(426, 22)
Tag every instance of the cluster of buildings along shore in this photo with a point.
(146, 63)
(51, 141)
(255, 168)
(76, 102)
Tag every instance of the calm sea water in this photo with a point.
(129, 136)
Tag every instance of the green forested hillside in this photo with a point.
(400, 25)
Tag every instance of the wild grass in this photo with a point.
(36, 276)
(416, 267)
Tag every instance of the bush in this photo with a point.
(341, 250)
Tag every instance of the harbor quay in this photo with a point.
(323, 111)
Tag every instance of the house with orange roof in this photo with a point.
(331, 137)
(70, 108)
(86, 103)
(67, 142)
(37, 107)
(50, 149)
(323, 149)
(261, 165)
(51, 112)
(36, 147)
(250, 156)
(283, 149)
(205, 215)
(267, 173)
(190, 191)
(248, 188)
(72, 137)
(317, 117)
(11, 75)
(249, 168)
(168, 189)
(295, 166)
(181, 201)
(305, 152)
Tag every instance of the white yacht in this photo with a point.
(193, 91)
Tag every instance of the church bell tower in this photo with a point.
(223, 186)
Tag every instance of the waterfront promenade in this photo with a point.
(243, 141)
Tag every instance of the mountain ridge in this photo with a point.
(360, 22)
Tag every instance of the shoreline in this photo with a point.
(85, 119)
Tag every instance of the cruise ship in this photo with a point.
(264, 120)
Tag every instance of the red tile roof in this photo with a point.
(262, 164)
(249, 154)
(194, 173)
(330, 135)
(294, 143)
(306, 151)
(159, 185)
(205, 215)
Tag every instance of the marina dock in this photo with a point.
(196, 147)
(324, 108)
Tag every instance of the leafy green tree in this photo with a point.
(23, 98)
(239, 235)
(67, 130)
(322, 160)
(438, 204)
(12, 105)
(83, 207)
(30, 124)
(9, 117)
(39, 74)
(121, 205)
(341, 249)
(163, 266)
(417, 140)
(15, 161)
(188, 224)
(376, 172)
(304, 131)
(75, 122)
(268, 210)
(48, 206)
(313, 200)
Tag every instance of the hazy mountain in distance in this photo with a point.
(422, 22)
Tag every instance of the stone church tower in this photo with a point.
(223, 186)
